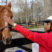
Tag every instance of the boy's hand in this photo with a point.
(9, 21)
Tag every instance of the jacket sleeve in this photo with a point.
(34, 36)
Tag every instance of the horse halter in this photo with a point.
(4, 27)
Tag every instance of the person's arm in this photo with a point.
(34, 36)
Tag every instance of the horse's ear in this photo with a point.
(9, 4)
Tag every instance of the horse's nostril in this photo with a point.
(6, 41)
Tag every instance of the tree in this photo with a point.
(37, 11)
(47, 8)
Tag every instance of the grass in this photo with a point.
(31, 27)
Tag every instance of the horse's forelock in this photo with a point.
(7, 8)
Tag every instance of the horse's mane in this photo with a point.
(7, 8)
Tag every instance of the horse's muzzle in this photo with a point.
(6, 41)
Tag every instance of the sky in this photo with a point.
(17, 9)
(2, 2)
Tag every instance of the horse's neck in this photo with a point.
(1, 21)
(1, 25)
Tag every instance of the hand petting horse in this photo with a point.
(5, 11)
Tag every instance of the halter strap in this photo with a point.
(4, 27)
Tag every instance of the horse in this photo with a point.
(5, 11)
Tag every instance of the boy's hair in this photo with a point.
(51, 27)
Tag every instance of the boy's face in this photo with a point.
(47, 26)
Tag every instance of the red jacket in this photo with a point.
(43, 39)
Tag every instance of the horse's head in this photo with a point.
(5, 11)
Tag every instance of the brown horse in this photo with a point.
(5, 11)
